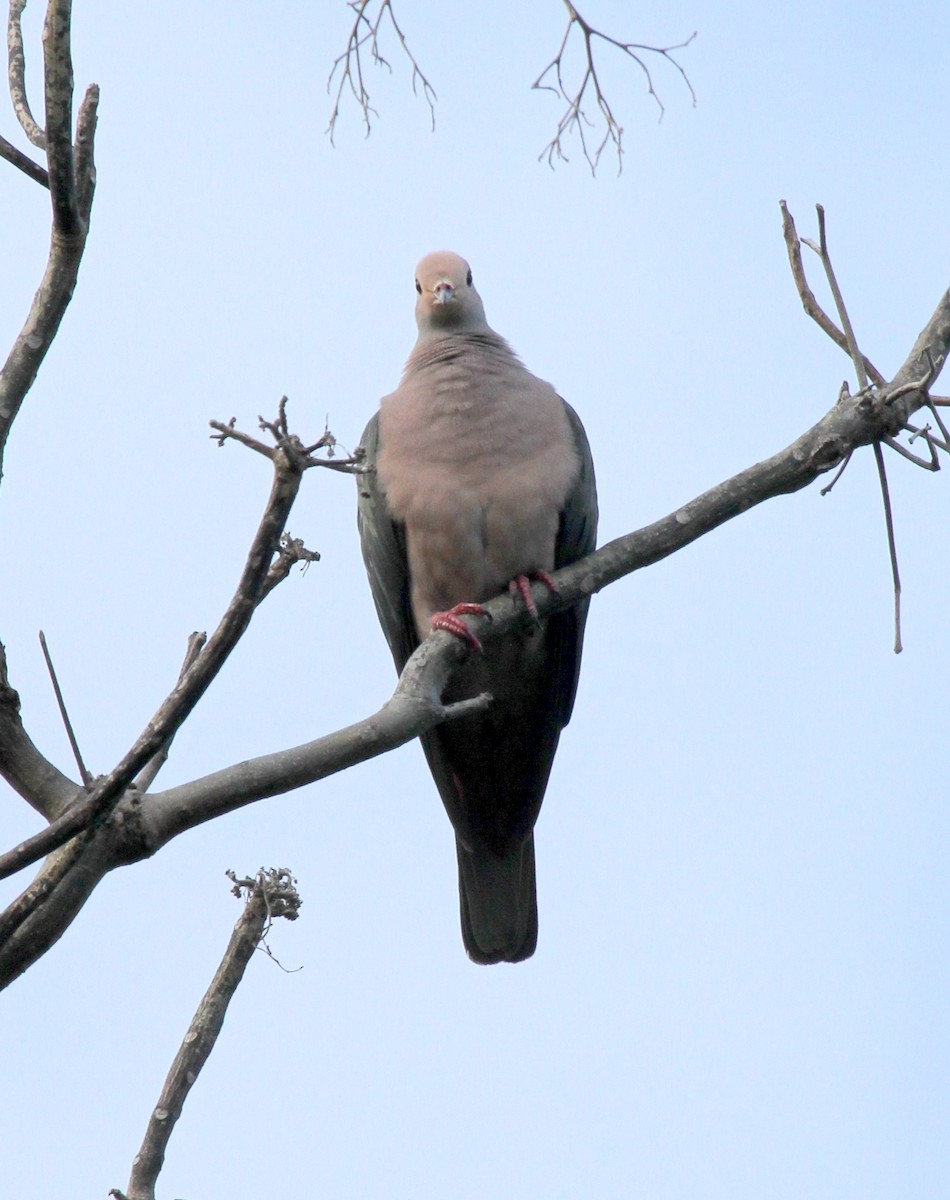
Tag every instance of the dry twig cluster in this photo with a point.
(583, 97)
(575, 117)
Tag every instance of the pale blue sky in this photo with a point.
(740, 986)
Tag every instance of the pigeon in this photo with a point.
(479, 478)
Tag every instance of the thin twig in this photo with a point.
(891, 545)
(303, 456)
(146, 777)
(85, 775)
(931, 464)
(940, 425)
(852, 343)
(807, 296)
(575, 116)
(837, 475)
(16, 66)
(916, 431)
(349, 64)
(271, 894)
(893, 395)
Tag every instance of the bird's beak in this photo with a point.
(443, 292)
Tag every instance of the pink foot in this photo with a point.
(452, 622)
(521, 586)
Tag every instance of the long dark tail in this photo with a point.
(499, 905)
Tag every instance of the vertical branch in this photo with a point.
(72, 185)
(58, 66)
(891, 544)
(271, 894)
(16, 72)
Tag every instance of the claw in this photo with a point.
(452, 622)
(521, 586)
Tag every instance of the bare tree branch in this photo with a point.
(292, 550)
(349, 65)
(809, 303)
(348, 71)
(891, 543)
(575, 116)
(84, 774)
(103, 797)
(850, 340)
(41, 914)
(72, 185)
(861, 371)
(288, 443)
(16, 66)
(40, 784)
(146, 777)
(23, 162)
(270, 895)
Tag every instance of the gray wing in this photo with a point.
(383, 542)
(577, 537)
(492, 768)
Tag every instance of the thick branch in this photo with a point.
(58, 65)
(40, 916)
(414, 707)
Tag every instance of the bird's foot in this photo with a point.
(521, 586)
(452, 622)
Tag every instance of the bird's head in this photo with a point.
(446, 298)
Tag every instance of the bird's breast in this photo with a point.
(478, 475)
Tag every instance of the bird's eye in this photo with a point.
(418, 287)
(468, 279)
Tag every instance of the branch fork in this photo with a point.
(888, 405)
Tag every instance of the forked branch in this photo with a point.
(303, 456)
(71, 181)
(102, 798)
(349, 67)
(605, 130)
(865, 371)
